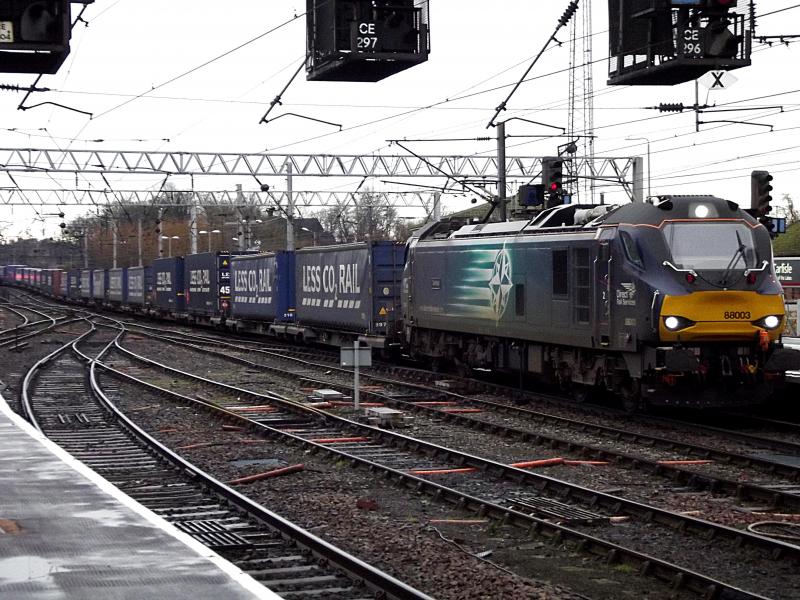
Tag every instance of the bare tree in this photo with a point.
(373, 219)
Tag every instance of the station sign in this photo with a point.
(787, 270)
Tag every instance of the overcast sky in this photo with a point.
(121, 63)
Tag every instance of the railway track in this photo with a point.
(411, 461)
(558, 408)
(72, 410)
(714, 469)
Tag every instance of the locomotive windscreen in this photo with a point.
(711, 246)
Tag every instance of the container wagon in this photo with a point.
(349, 292)
(262, 292)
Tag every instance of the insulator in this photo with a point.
(679, 107)
(573, 6)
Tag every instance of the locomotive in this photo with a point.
(670, 302)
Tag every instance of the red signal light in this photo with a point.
(553, 186)
(690, 278)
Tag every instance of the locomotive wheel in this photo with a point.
(580, 393)
(631, 396)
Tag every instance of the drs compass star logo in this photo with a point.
(500, 284)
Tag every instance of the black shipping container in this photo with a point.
(207, 278)
(170, 291)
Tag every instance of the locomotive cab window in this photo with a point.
(711, 246)
(631, 249)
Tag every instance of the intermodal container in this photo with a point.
(86, 283)
(140, 287)
(262, 287)
(74, 284)
(117, 285)
(99, 283)
(207, 277)
(170, 291)
(353, 287)
(63, 285)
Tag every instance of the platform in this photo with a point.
(66, 533)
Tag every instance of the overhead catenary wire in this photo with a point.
(542, 109)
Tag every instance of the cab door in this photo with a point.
(602, 270)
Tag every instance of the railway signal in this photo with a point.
(553, 180)
(760, 189)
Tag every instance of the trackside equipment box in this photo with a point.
(170, 291)
(117, 285)
(353, 287)
(141, 286)
(262, 287)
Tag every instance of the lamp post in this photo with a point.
(313, 234)
(204, 232)
(169, 242)
(631, 139)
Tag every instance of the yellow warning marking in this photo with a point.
(383, 312)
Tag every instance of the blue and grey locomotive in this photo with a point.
(646, 300)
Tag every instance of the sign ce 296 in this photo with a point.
(692, 43)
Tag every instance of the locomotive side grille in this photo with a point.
(583, 285)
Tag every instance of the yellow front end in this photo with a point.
(720, 316)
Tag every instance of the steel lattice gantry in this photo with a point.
(625, 172)
(266, 165)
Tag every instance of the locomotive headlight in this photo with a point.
(701, 211)
(677, 323)
(770, 322)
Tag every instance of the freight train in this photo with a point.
(670, 302)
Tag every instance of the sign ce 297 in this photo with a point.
(366, 37)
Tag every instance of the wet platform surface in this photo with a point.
(66, 533)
